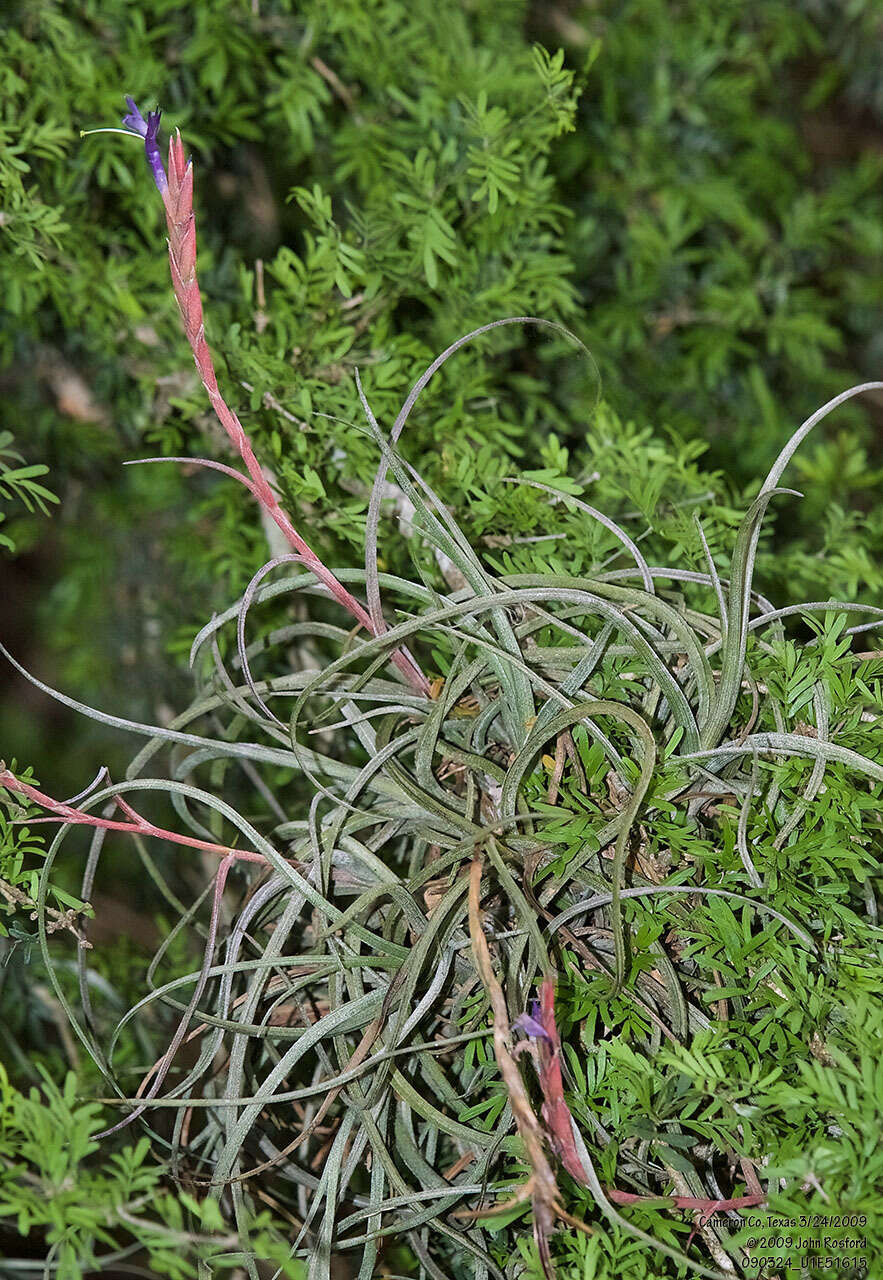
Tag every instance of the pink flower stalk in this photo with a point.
(176, 189)
(556, 1112)
(58, 811)
(136, 825)
(540, 1025)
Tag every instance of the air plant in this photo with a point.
(413, 906)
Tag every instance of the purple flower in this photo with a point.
(530, 1023)
(148, 130)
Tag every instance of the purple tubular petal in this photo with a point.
(148, 130)
(151, 147)
(530, 1026)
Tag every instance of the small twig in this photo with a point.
(333, 79)
(269, 401)
(60, 919)
(557, 770)
(459, 1165)
(261, 319)
(541, 1186)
